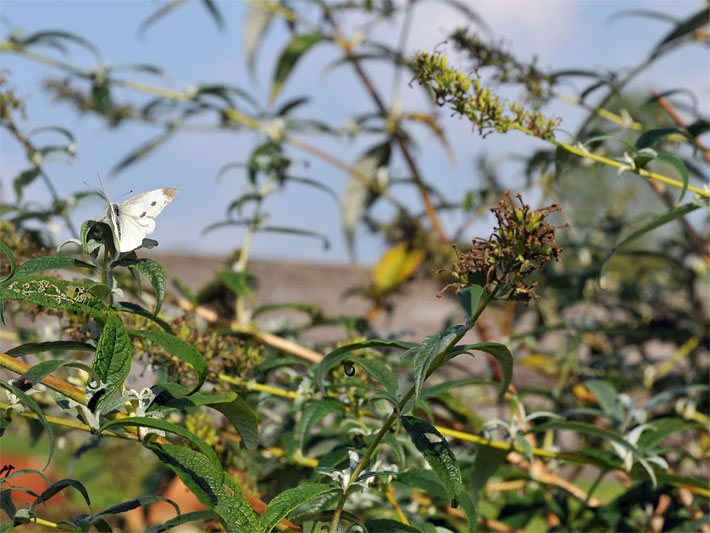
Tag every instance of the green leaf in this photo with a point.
(214, 13)
(665, 218)
(470, 299)
(238, 283)
(164, 425)
(288, 500)
(244, 419)
(359, 187)
(210, 484)
(420, 478)
(159, 13)
(154, 272)
(291, 54)
(57, 487)
(682, 31)
(7, 252)
(140, 152)
(380, 372)
(436, 451)
(256, 23)
(677, 163)
(325, 241)
(38, 347)
(55, 294)
(313, 413)
(432, 347)
(36, 409)
(486, 463)
(588, 429)
(40, 264)
(129, 307)
(606, 396)
(342, 353)
(470, 510)
(186, 518)
(112, 362)
(41, 370)
(662, 429)
(442, 388)
(503, 357)
(387, 525)
(23, 180)
(651, 138)
(180, 349)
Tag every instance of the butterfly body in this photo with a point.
(134, 219)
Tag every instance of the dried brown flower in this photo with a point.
(522, 243)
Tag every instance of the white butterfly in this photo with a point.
(133, 220)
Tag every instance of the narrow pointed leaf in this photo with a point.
(292, 53)
(665, 218)
(39, 347)
(342, 353)
(210, 484)
(256, 24)
(291, 499)
(37, 410)
(432, 348)
(313, 413)
(112, 362)
(180, 349)
(380, 372)
(244, 419)
(438, 455)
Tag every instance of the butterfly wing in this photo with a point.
(134, 219)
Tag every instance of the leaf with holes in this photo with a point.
(438, 454)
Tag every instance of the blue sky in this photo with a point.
(561, 33)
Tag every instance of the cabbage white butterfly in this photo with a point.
(133, 220)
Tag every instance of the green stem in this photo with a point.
(372, 448)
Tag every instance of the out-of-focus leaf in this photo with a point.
(140, 152)
(256, 23)
(313, 413)
(7, 252)
(291, 54)
(27, 401)
(501, 354)
(23, 180)
(677, 163)
(215, 13)
(681, 32)
(396, 266)
(325, 241)
(39, 347)
(243, 417)
(359, 186)
(665, 218)
(159, 13)
(180, 349)
(606, 396)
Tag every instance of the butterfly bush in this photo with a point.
(521, 244)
